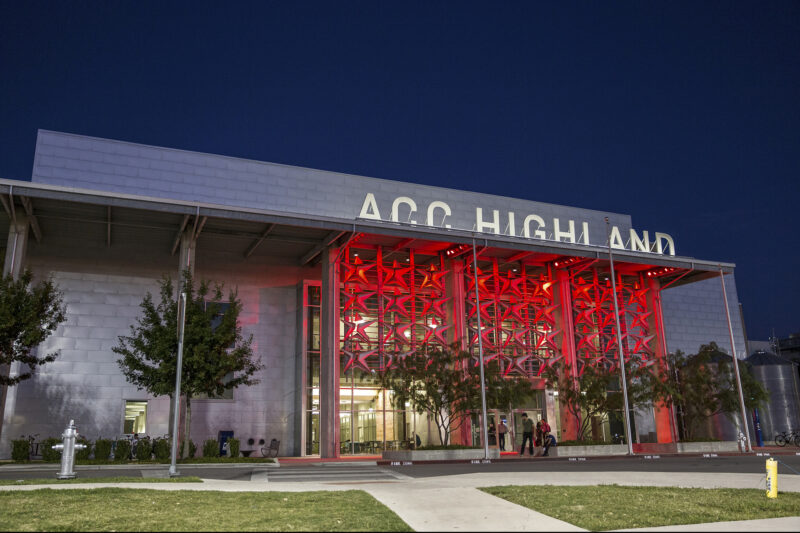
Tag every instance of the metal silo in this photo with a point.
(779, 377)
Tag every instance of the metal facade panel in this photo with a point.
(694, 314)
(782, 413)
(103, 164)
(103, 288)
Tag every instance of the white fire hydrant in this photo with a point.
(68, 447)
(742, 439)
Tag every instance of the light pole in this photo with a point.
(484, 428)
(173, 469)
(619, 346)
(735, 364)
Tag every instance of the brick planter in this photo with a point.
(585, 451)
(644, 448)
(439, 455)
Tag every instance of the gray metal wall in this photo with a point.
(783, 411)
(116, 166)
(102, 290)
(694, 314)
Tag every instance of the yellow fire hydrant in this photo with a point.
(772, 478)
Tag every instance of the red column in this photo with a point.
(665, 429)
(569, 423)
(455, 290)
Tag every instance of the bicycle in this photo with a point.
(272, 449)
(784, 437)
(33, 446)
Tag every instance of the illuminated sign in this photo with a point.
(531, 225)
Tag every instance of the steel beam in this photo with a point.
(199, 227)
(26, 203)
(399, 246)
(257, 242)
(327, 241)
(177, 240)
(5, 205)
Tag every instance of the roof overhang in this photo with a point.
(313, 230)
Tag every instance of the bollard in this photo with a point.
(68, 448)
(772, 478)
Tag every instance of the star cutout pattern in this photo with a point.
(518, 317)
(391, 306)
(596, 340)
(394, 306)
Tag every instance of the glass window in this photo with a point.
(135, 417)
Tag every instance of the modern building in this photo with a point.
(339, 275)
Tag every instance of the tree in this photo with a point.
(445, 384)
(597, 391)
(588, 395)
(28, 315)
(704, 384)
(216, 357)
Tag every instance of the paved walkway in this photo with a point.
(454, 503)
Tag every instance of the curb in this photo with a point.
(643, 456)
(54, 467)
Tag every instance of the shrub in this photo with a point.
(448, 447)
(192, 449)
(102, 449)
(20, 450)
(122, 450)
(162, 448)
(144, 449)
(211, 448)
(233, 447)
(84, 453)
(50, 455)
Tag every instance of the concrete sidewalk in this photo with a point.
(454, 503)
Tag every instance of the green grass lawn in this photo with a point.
(604, 507)
(114, 509)
(118, 479)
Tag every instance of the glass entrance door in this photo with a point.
(504, 440)
(494, 419)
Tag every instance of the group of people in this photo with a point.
(543, 437)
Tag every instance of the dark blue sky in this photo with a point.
(685, 115)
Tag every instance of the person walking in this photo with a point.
(527, 434)
(502, 429)
(546, 436)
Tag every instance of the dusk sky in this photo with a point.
(685, 115)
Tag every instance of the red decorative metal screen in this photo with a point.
(517, 309)
(390, 308)
(595, 324)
